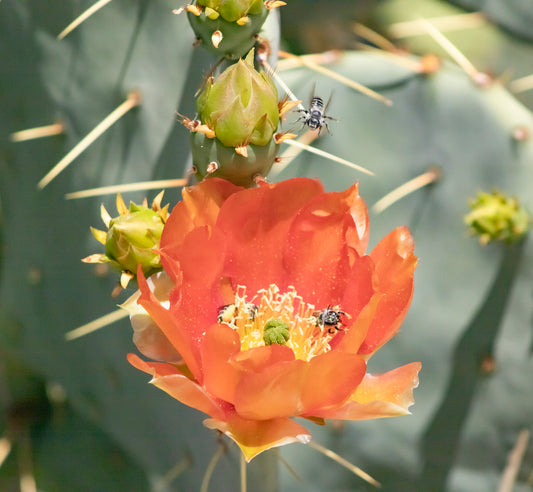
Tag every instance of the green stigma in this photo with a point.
(276, 331)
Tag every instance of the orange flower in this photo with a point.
(275, 310)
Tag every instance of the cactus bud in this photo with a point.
(237, 21)
(131, 238)
(241, 106)
(497, 217)
(240, 109)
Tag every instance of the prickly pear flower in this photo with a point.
(497, 217)
(131, 238)
(275, 310)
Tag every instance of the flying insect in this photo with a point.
(315, 117)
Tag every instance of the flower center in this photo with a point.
(282, 318)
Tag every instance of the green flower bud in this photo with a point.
(276, 331)
(497, 217)
(131, 238)
(241, 105)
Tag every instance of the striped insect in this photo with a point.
(315, 117)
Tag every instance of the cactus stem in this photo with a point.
(83, 17)
(96, 324)
(211, 466)
(374, 37)
(282, 84)
(111, 190)
(329, 156)
(339, 78)
(444, 23)
(430, 176)
(514, 461)
(522, 84)
(133, 100)
(479, 78)
(216, 38)
(37, 132)
(341, 461)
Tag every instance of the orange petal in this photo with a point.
(257, 221)
(350, 340)
(200, 206)
(386, 395)
(395, 265)
(294, 388)
(254, 437)
(220, 344)
(359, 286)
(166, 321)
(330, 378)
(321, 242)
(169, 379)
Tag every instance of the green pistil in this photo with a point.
(276, 331)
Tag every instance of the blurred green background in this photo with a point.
(76, 416)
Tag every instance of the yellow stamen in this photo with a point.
(249, 317)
